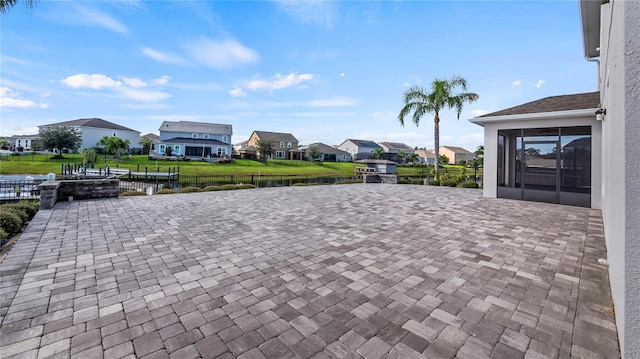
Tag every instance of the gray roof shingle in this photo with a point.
(552, 104)
(276, 136)
(92, 122)
(199, 127)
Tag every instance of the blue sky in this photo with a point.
(323, 71)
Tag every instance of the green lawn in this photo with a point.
(43, 164)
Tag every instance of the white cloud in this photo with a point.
(222, 54)
(516, 83)
(143, 95)
(279, 82)
(161, 81)
(10, 99)
(342, 74)
(237, 92)
(539, 84)
(165, 58)
(44, 106)
(475, 113)
(406, 84)
(134, 82)
(94, 81)
(129, 88)
(74, 14)
(322, 13)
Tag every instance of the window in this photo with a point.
(281, 144)
(344, 157)
(222, 151)
(288, 144)
(225, 138)
(205, 136)
(176, 149)
(280, 154)
(194, 135)
(162, 149)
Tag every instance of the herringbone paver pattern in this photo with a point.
(351, 271)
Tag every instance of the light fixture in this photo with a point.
(600, 114)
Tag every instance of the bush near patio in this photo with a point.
(14, 216)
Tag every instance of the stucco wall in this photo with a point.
(620, 92)
(490, 180)
(91, 136)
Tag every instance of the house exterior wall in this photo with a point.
(21, 141)
(165, 135)
(179, 147)
(275, 144)
(490, 179)
(455, 157)
(619, 87)
(91, 136)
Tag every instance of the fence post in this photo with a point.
(252, 180)
(232, 181)
(138, 170)
(62, 169)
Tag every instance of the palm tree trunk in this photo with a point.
(436, 142)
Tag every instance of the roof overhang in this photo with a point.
(590, 19)
(536, 116)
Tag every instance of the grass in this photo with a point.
(43, 164)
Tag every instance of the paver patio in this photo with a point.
(342, 271)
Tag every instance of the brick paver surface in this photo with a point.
(342, 271)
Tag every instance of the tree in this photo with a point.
(443, 160)
(402, 154)
(441, 95)
(146, 143)
(168, 150)
(479, 153)
(415, 158)
(6, 5)
(4, 144)
(313, 152)
(264, 148)
(378, 153)
(60, 138)
(88, 156)
(114, 145)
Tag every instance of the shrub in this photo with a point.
(470, 185)
(3, 235)
(10, 222)
(403, 181)
(449, 183)
(417, 181)
(434, 183)
(191, 189)
(166, 191)
(246, 186)
(298, 184)
(212, 188)
(31, 208)
(133, 193)
(450, 177)
(24, 216)
(227, 187)
(348, 181)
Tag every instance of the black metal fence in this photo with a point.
(17, 190)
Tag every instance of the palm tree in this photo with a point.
(5, 5)
(146, 143)
(378, 153)
(114, 145)
(441, 95)
(402, 154)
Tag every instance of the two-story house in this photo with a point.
(426, 156)
(328, 153)
(284, 145)
(21, 142)
(195, 139)
(393, 150)
(93, 129)
(359, 149)
(456, 154)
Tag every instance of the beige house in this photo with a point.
(426, 156)
(284, 145)
(456, 154)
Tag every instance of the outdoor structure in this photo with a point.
(329, 153)
(359, 149)
(284, 145)
(380, 166)
(21, 142)
(611, 33)
(200, 140)
(596, 138)
(93, 129)
(542, 151)
(392, 150)
(456, 154)
(426, 156)
(153, 137)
